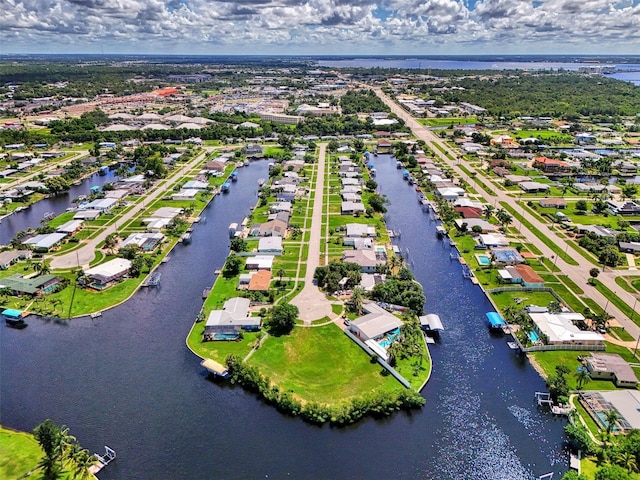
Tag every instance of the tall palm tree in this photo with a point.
(583, 376)
(611, 417)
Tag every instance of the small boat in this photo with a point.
(261, 182)
(399, 165)
(225, 187)
(246, 163)
(234, 176)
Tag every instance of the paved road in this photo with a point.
(578, 273)
(311, 302)
(85, 254)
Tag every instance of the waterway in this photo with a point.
(627, 72)
(57, 204)
(127, 380)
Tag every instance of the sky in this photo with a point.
(320, 27)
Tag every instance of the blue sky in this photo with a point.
(320, 27)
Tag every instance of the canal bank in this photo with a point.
(126, 379)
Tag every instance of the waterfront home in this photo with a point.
(588, 187)
(45, 241)
(450, 194)
(270, 245)
(360, 230)
(10, 257)
(101, 204)
(259, 262)
(534, 187)
(22, 285)
(489, 240)
(275, 227)
(351, 208)
(368, 260)
(611, 366)
(214, 168)
(623, 208)
(118, 194)
(185, 194)
(71, 227)
(260, 281)
(351, 197)
(195, 185)
(375, 324)
(550, 165)
(506, 256)
(474, 222)
(146, 241)
(280, 207)
(524, 275)
(559, 330)
(470, 213)
(226, 324)
(104, 275)
(86, 214)
(350, 181)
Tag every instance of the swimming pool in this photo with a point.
(483, 260)
(533, 336)
(389, 339)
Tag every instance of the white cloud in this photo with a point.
(319, 26)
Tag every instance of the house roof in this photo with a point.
(114, 267)
(612, 362)
(22, 284)
(377, 322)
(558, 327)
(528, 274)
(260, 281)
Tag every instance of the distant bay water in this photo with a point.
(630, 73)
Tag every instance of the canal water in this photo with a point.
(127, 380)
(31, 217)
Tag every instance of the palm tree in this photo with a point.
(42, 268)
(82, 461)
(583, 376)
(611, 417)
(627, 460)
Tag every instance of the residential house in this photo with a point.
(10, 257)
(559, 329)
(352, 208)
(623, 208)
(474, 222)
(147, 242)
(226, 324)
(39, 285)
(534, 187)
(271, 245)
(260, 281)
(550, 165)
(259, 262)
(553, 203)
(103, 275)
(70, 227)
(611, 366)
(368, 260)
(44, 242)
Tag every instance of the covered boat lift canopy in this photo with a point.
(495, 320)
(431, 321)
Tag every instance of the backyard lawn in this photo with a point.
(320, 364)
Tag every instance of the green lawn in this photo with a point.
(548, 361)
(320, 364)
(19, 453)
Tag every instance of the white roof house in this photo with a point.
(560, 330)
(101, 204)
(70, 227)
(270, 245)
(45, 241)
(260, 262)
(185, 194)
(110, 270)
(360, 230)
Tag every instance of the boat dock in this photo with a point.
(214, 368)
(103, 460)
(440, 231)
(96, 314)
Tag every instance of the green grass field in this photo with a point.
(320, 364)
(19, 453)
